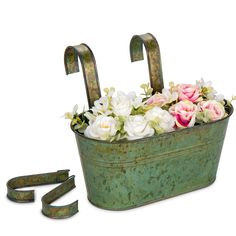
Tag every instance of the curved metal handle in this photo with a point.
(32, 180)
(59, 212)
(153, 56)
(89, 67)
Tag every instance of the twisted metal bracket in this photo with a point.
(32, 180)
(59, 212)
(153, 56)
(89, 67)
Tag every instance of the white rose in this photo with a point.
(137, 127)
(121, 104)
(161, 120)
(103, 128)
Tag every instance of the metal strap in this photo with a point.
(32, 180)
(153, 56)
(59, 212)
(89, 67)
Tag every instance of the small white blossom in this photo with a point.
(137, 127)
(170, 96)
(136, 101)
(121, 104)
(102, 106)
(103, 128)
(203, 84)
(161, 120)
(206, 89)
(220, 98)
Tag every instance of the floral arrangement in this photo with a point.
(128, 116)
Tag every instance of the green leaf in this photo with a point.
(144, 86)
(138, 111)
(81, 127)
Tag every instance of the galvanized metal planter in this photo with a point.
(127, 174)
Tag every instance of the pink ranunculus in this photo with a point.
(157, 99)
(184, 113)
(211, 110)
(188, 92)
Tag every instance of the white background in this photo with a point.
(197, 39)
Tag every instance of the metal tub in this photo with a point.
(128, 174)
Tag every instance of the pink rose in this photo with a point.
(157, 99)
(184, 113)
(210, 110)
(188, 92)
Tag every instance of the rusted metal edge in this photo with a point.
(153, 56)
(88, 62)
(24, 196)
(59, 212)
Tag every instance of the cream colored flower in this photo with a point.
(137, 127)
(103, 128)
(121, 104)
(161, 120)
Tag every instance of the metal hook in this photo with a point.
(59, 212)
(32, 180)
(153, 56)
(89, 67)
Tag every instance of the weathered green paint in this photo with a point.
(153, 57)
(59, 212)
(32, 180)
(128, 174)
(89, 67)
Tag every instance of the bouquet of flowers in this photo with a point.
(130, 116)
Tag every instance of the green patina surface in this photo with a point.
(128, 174)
